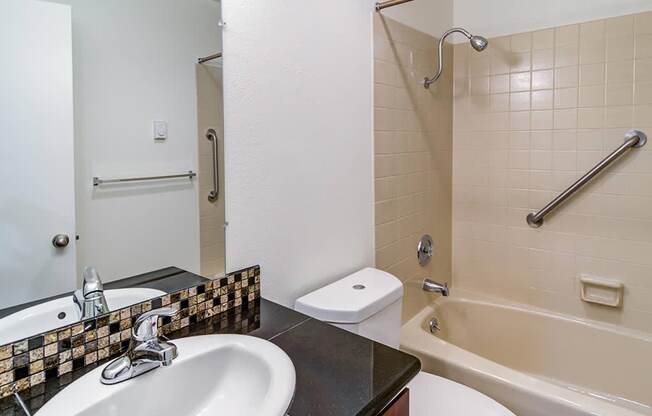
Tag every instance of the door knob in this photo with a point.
(60, 240)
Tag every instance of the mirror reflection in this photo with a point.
(112, 144)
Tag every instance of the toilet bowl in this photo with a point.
(368, 303)
(431, 395)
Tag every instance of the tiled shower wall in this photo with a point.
(413, 132)
(533, 113)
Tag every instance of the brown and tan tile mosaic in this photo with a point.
(30, 362)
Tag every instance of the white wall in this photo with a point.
(298, 132)
(429, 16)
(134, 62)
(503, 17)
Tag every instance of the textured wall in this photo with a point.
(298, 131)
(412, 151)
(532, 114)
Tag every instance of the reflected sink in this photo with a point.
(234, 375)
(63, 311)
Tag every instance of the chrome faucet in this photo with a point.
(146, 351)
(90, 298)
(432, 286)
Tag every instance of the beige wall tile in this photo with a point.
(620, 48)
(566, 55)
(521, 42)
(620, 72)
(643, 70)
(543, 59)
(413, 143)
(643, 23)
(644, 46)
(566, 119)
(567, 34)
(591, 96)
(543, 39)
(620, 26)
(567, 77)
(542, 100)
(619, 94)
(539, 130)
(520, 61)
(592, 74)
(566, 98)
(643, 94)
(520, 81)
(542, 80)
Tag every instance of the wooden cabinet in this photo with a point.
(400, 406)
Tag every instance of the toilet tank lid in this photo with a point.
(352, 299)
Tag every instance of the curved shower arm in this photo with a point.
(440, 54)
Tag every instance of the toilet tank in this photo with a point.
(367, 302)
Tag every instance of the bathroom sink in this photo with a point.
(235, 375)
(63, 311)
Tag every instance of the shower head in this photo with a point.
(478, 43)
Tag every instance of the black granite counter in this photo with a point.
(338, 373)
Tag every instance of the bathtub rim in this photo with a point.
(417, 340)
(466, 295)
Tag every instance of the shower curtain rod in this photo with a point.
(389, 3)
(209, 58)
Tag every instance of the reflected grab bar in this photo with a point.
(99, 181)
(211, 135)
(633, 139)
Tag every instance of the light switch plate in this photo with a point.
(160, 130)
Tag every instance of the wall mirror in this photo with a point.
(111, 150)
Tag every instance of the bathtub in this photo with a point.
(535, 362)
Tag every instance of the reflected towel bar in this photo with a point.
(98, 181)
(633, 139)
(209, 58)
(385, 4)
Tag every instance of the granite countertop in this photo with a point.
(338, 373)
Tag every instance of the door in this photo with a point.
(37, 197)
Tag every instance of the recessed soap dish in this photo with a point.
(602, 291)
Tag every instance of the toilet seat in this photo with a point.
(431, 395)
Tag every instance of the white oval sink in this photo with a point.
(234, 375)
(45, 316)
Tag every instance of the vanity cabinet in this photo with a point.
(400, 406)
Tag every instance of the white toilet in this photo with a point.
(368, 303)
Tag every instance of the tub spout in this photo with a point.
(432, 286)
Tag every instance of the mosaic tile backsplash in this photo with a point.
(30, 362)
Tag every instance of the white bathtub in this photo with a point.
(535, 362)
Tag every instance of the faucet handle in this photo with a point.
(92, 282)
(146, 326)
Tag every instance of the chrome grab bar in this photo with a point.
(633, 139)
(211, 135)
(99, 181)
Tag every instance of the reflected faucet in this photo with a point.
(90, 299)
(432, 286)
(146, 351)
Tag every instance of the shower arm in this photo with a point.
(440, 54)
